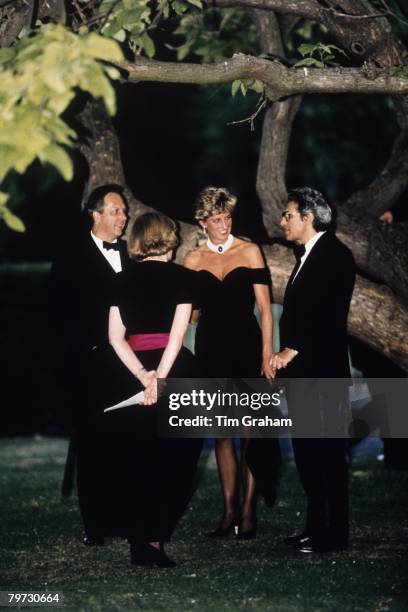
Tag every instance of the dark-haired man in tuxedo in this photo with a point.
(81, 283)
(313, 330)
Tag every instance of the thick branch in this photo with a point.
(280, 80)
(310, 9)
(277, 125)
(389, 185)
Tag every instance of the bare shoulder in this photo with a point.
(193, 259)
(251, 252)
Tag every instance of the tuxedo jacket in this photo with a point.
(81, 286)
(315, 310)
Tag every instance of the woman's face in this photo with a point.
(218, 227)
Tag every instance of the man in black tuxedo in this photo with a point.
(81, 283)
(313, 330)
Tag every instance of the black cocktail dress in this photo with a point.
(147, 480)
(229, 344)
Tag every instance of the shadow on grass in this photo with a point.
(41, 547)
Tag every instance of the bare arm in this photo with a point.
(177, 333)
(264, 306)
(118, 341)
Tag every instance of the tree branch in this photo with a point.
(389, 185)
(279, 80)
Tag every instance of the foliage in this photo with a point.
(133, 20)
(319, 55)
(39, 76)
(399, 71)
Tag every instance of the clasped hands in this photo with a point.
(149, 381)
(282, 359)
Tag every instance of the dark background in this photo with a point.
(174, 141)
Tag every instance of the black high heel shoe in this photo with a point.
(249, 534)
(150, 556)
(223, 532)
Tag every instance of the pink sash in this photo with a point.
(148, 342)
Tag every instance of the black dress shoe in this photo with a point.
(147, 555)
(311, 546)
(249, 534)
(296, 538)
(93, 540)
(224, 531)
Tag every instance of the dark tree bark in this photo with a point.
(101, 149)
(277, 125)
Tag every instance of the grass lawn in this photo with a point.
(42, 550)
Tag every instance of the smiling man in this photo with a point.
(313, 334)
(82, 283)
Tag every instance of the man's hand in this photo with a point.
(282, 359)
(268, 370)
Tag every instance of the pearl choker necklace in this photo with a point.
(221, 248)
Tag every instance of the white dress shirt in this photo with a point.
(112, 256)
(308, 247)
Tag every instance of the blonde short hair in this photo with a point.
(213, 201)
(152, 234)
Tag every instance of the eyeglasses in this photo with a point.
(288, 215)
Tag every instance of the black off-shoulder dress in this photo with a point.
(229, 344)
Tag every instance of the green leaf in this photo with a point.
(100, 47)
(243, 88)
(196, 3)
(306, 49)
(3, 198)
(235, 86)
(257, 86)
(55, 155)
(11, 220)
(148, 45)
(179, 7)
(309, 61)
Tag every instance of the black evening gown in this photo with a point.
(229, 344)
(147, 480)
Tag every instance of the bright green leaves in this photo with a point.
(130, 20)
(244, 85)
(319, 55)
(214, 34)
(38, 79)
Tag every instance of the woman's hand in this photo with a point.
(146, 377)
(282, 359)
(150, 393)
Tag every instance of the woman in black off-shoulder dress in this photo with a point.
(230, 343)
(149, 479)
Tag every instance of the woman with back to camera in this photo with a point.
(151, 477)
(229, 341)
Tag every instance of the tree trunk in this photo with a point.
(101, 149)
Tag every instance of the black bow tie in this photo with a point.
(299, 250)
(111, 245)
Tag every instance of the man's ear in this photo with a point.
(95, 216)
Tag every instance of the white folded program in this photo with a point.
(135, 399)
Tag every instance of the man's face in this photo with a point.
(110, 223)
(295, 227)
